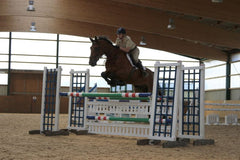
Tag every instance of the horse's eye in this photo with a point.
(96, 48)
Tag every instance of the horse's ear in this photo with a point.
(91, 39)
(96, 39)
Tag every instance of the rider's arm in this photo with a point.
(129, 45)
(127, 42)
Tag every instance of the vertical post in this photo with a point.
(177, 99)
(154, 98)
(43, 99)
(57, 107)
(86, 98)
(228, 78)
(57, 52)
(70, 100)
(181, 101)
(9, 62)
(202, 96)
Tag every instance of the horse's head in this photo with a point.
(96, 52)
(100, 46)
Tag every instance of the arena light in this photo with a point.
(171, 24)
(30, 6)
(142, 42)
(217, 1)
(33, 27)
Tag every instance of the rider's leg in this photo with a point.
(132, 59)
(137, 62)
(142, 69)
(134, 55)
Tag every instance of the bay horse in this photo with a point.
(119, 68)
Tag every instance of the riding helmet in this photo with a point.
(121, 30)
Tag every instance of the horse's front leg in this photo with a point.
(109, 78)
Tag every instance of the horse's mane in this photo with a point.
(105, 38)
(111, 43)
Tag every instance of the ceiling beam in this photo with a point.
(64, 26)
(181, 47)
(132, 17)
(227, 11)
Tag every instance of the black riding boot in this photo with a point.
(141, 68)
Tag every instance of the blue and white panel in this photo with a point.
(50, 99)
(191, 112)
(163, 123)
(79, 82)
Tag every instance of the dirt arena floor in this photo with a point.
(16, 143)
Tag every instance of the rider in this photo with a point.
(125, 43)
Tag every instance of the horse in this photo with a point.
(119, 68)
